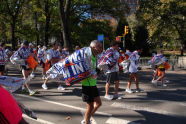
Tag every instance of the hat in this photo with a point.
(25, 43)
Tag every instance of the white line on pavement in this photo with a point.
(38, 120)
(109, 121)
(61, 104)
(134, 107)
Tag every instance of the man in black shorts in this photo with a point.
(90, 93)
(112, 73)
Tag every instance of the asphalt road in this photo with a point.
(156, 105)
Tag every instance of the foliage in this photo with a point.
(164, 20)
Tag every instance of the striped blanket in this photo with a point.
(73, 68)
(11, 83)
(107, 60)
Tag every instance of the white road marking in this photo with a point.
(135, 107)
(61, 104)
(38, 120)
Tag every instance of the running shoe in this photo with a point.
(108, 97)
(60, 87)
(31, 92)
(128, 90)
(44, 86)
(83, 122)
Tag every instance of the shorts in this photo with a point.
(2, 68)
(42, 64)
(89, 93)
(162, 69)
(23, 67)
(112, 77)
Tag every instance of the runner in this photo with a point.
(90, 93)
(20, 57)
(161, 65)
(34, 51)
(42, 59)
(133, 69)
(52, 57)
(112, 72)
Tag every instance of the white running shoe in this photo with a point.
(154, 81)
(128, 90)
(83, 122)
(167, 81)
(31, 92)
(32, 75)
(108, 97)
(44, 86)
(60, 87)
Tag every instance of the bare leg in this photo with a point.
(130, 81)
(136, 81)
(97, 104)
(116, 86)
(90, 107)
(107, 86)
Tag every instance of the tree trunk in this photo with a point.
(13, 40)
(47, 22)
(36, 28)
(64, 14)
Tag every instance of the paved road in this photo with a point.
(162, 105)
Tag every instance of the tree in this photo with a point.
(10, 11)
(81, 11)
(164, 20)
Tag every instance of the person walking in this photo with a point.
(90, 93)
(20, 57)
(113, 71)
(42, 59)
(133, 69)
(52, 57)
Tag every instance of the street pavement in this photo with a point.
(155, 105)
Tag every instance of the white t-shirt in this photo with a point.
(51, 53)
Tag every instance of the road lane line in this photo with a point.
(108, 121)
(38, 120)
(61, 104)
(135, 107)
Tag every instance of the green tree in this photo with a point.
(164, 20)
(10, 11)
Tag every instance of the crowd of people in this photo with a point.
(111, 61)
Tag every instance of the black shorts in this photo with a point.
(162, 69)
(42, 64)
(112, 77)
(23, 67)
(2, 68)
(89, 93)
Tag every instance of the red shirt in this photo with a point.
(9, 108)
